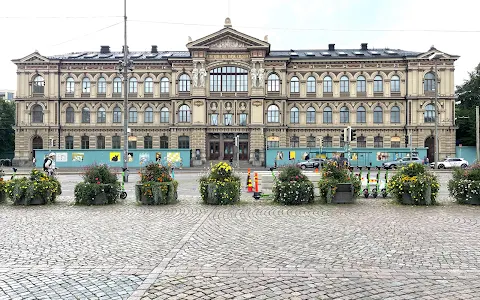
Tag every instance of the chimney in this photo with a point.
(331, 47)
(104, 49)
(364, 46)
(154, 49)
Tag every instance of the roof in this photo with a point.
(306, 53)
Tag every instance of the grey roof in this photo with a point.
(309, 54)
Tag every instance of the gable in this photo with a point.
(228, 38)
(433, 50)
(34, 57)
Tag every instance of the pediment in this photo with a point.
(34, 57)
(228, 38)
(442, 55)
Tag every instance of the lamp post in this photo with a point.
(435, 57)
(123, 67)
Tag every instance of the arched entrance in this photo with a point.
(37, 143)
(430, 144)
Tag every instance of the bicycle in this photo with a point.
(123, 193)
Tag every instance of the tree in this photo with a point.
(468, 97)
(7, 134)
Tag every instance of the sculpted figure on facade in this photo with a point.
(253, 75)
(195, 76)
(202, 74)
(261, 76)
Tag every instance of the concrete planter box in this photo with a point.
(344, 194)
(213, 197)
(157, 196)
(407, 198)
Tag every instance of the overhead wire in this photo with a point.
(93, 32)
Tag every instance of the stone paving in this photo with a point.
(374, 249)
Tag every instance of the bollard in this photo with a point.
(256, 182)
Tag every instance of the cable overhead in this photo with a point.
(81, 36)
(59, 17)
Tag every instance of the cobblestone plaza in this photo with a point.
(374, 249)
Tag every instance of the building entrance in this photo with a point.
(221, 146)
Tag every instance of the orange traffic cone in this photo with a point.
(249, 184)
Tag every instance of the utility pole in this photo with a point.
(125, 99)
(436, 115)
(477, 133)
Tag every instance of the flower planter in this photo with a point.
(100, 199)
(407, 198)
(214, 196)
(344, 194)
(153, 193)
(37, 200)
(473, 198)
(96, 194)
(3, 197)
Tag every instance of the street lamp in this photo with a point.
(435, 56)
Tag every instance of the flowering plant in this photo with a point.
(99, 182)
(465, 184)
(332, 175)
(156, 185)
(293, 187)
(38, 185)
(220, 186)
(414, 180)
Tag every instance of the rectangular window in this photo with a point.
(85, 142)
(148, 116)
(395, 144)
(243, 120)
(273, 144)
(147, 142)
(327, 116)
(117, 116)
(361, 86)
(100, 142)
(164, 142)
(327, 86)
(294, 116)
(214, 119)
(132, 144)
(117, 86)
(361, 143)
(116, 142)
(228, 119)
(311, 117)
(164, 116)
(148, 87)
(69, 142)
(102, 87)
(395, 86)
(183, 142)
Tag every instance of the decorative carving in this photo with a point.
(253, 75)
(203, 74)
(228, 43)
(261, 76)
(228, 105)
(195, 76)
(243, 105)
(213, 106)
(257, 103)
(198, 103)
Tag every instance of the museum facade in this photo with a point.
(229, 85)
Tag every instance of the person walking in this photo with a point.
(49, 164)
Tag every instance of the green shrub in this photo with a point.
(154, 172)
(333, 174)
(221, 186)
(465, 183)
(100, 186)
(37, 186)
(292, 187)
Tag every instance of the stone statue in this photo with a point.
(195, 76)
(203, 75)
(253, 75)
(261, 76)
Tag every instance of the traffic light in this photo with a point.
(353, 134)
(406, 140)
(342, 136)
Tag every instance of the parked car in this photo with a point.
(401, 161)
(451, 163)
(310, 163)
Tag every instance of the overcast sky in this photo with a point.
(60, 26)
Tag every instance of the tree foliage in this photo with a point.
(7, 121)
(468, 97)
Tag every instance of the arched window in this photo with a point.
(85, 115)
(429, 82)
(164, 142)
(69, 142)
(148, 85)
(148, 115)
(133, 85)
(344, 115)
(184, 114)
(147, 142)
(164, 85)
(228, 79)
(377, 115)
(327, 84)
(38, 85)
(429, 114)
(117, 85)
(378, 84)
(395, 115)
(70, 115)
(395, 84)
(294, 142)
(86, 85)
(132, 115)
(37, 114)
(273, 83)
(117, 115)
(100, 142)
(294, 115)
(344, 82)
(294, 85)
(310, 141)
(361, 142)
(184, 83)
(37, 142)
(311, 84)
(327, 141)
(164, 115)
(273, 114)
(378, 142)
(70, 85)
(311, 115)
(102, 86)
(361, 84)
(361, 115)
(327, 115)
(101, 115)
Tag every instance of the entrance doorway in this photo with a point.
(228, 150)
(430, 144)
(214, 153)
(37, 143)
(243, 150)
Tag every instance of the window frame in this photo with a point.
(69, 85)
(86, 115)
(273, 83)
(273, 114)
(86, 85)
(378, 115)
(101, 86)
(327, 84)
(311, 85)
(101, 115)
(184, 83)
(294, 85)
(378, 141)
(361, 84)
(132, 115)
(311, 115)
(361, 115)
(228, 79)
(395, 114)
(430, 114)
(85, 142)
(69, 142)
(148, 85)
(164, 85)
(100, 142)
(117, 115)
(395, 84)
(344, 84)
(243, 119)
(344, 115)
(148, 115)
(116, 142)
(164, 115)
(294, 115)
(294, 142)
(69, 115)
(429, 82)
(327, 115)
(183, 142)
(133, 85)
(184, 114)
(117, 85)
(38, 85)
(164, 142)
(378, 84)
(148, 142)
(37, 114)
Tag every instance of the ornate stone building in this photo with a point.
(228, 84)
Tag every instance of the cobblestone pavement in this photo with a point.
(374, 249)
